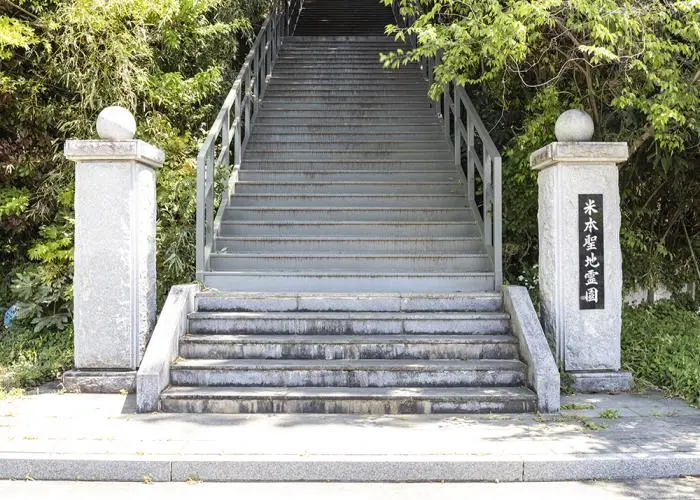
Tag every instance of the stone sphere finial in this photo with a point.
(574, 125)
(115, 123)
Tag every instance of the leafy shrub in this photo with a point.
(61, 61)
(661, 346)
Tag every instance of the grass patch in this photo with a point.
(661, 346)
(578, 406)
(610, 414)
(28, 359)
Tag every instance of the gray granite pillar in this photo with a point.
(580, 263)
(114, 288)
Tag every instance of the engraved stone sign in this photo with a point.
(591, 264)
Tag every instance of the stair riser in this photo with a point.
(350, 264)
(345, 406)
(348, 156)
(343, 106)
(292, 189)
(346, 176)
(321, 165)
(379, 200)
(217, 302)
(330, 326)
(387, 95)
(336, 124)
(362, 147)
(287, 87)
(436, 230)
(396, 214)
(419, 247)
(270, 136)
(256, 282)
(345, 378)
(411, 351)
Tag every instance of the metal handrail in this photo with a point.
(462, 125)
(243, 101)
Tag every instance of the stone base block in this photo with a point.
(99, 381)
(606, 381)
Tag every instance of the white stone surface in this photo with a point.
(115, 273)
(116, 123)
(154, 373)
(574, 126)
(585, 339)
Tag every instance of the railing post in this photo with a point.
(497, 224)
(456, 107)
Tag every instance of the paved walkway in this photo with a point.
(100, 437)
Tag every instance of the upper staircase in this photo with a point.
(350, 263)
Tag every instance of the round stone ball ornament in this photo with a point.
(116, 123)
(574, 125)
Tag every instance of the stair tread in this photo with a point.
(438, 365)
(194, 392)
(349, 339)
(345, 315)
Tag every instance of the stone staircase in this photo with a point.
(350, 275)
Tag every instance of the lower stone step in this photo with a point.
(339, 282)
(390, 400)
(349, 347)
(346, 323)
(347, 373)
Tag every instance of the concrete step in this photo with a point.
(285, 145)
(395, 229)
(345, 323)
(347, 115)
(403, 121)
(360, 156)
(341, 187)
(387, 200)
(348, 213)
(270, 136)
(323, 165)
(309, 347)
(353, 105)
(357, 302)
(320, 282)
(249, 175)
(345, 245)
(347, 373)
(348, 400)
(342, 262)
(311, 85)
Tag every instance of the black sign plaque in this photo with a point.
(591, 266)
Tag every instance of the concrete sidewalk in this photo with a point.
(100, 437)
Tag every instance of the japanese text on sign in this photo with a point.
(591, 262)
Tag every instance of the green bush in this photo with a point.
(661, 346)
(61, 61)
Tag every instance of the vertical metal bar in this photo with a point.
(247, 98)
(226, 137)
(446, 113)
(456, 108)
(470, 156)
(209, 204)
(200, 230)
(488, 195)
(238, 153)
(497, 224)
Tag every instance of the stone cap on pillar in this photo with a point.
(599, 153)
(116, 127)
(105, 150)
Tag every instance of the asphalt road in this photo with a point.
(651, 489)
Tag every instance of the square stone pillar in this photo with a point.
(580, 263)
(114, 289)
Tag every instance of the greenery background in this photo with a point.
(633, 65)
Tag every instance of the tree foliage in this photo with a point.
(633, 65)
(61, 62)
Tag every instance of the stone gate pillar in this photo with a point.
(114, 288)
(580, 263)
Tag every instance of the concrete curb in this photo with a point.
(350, 468)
